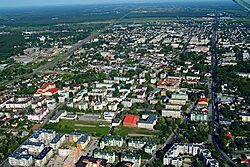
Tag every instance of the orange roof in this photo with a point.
(131, 119)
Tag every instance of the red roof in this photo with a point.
(130, 119)
(229, 134)
(76, 85)
(53, 90)
(203, 100)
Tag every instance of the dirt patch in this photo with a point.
(35, 127)
(88, 126)
(139, 135)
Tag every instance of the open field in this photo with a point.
(66, 126)
(124, 131)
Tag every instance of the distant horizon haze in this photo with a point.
(31, 3)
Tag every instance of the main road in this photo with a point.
(214, 108)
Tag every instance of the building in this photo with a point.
(172, 156)
(147, 121)
(43, 157)
(207, 158)
(124, 164)
(134, 158)
(33, 147)
(75, 136)
(108, 115)
(173, 106)
(116, 120)
(137, 143)
(17, 103)
(245, 117)
(83, 141)
(199, 116)
(113, 141)
(47, 89)
(203, 102)
(105, 154)
(174, 113)
(20, 157)
(38, 114)
(85, 161)
(57, 141)
(150, 147)
(130, 120)
(177, 101)
(179, 96)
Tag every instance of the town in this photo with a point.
(155, 93)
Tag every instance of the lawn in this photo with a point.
(124, 131)
(67, 126)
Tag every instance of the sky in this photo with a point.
(24, 3)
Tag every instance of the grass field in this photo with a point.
(124, 131)
(67, 126)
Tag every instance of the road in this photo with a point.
(170, 139)
(214, 108)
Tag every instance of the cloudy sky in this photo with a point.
(19, 3)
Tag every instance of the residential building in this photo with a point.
(105, 154)
(134, 158)
(199, 116)
(57, 141)
(43, 157)
(85, 161)
(113, 141)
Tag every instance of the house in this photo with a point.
(134, 158)
(130, 120)
(147, 121)
(57, 141)
(43, 157)
(85, 161)
(105, 154)
(113, 141)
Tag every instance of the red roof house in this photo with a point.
(130, 121)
